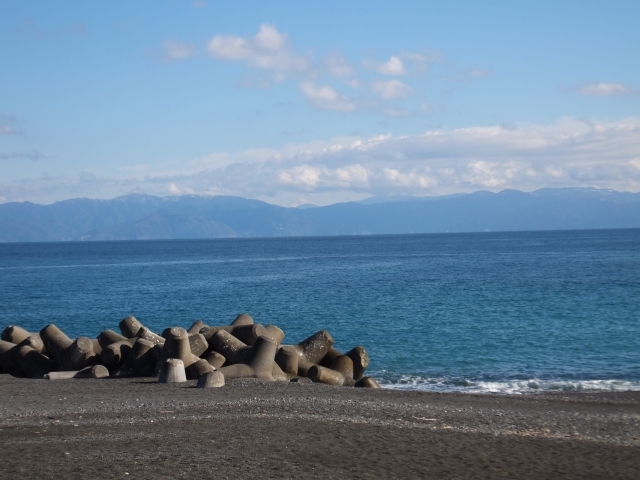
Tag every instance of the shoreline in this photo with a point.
(250, 428)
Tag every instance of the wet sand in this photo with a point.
(136, 428)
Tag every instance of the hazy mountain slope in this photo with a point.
(138, 217)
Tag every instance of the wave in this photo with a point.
(394, 381)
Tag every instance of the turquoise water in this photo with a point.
(503, 312)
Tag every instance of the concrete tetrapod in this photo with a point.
(199, 368)
(330, 356)
(360, 359)
(232, 349)
(55, 341)
(312, 350)
(241, 349)
(274, 333)
(140, 360)
(240, 328)
(32, 363)
(177, 346)
(143, 358)
(68, 354)
(242, 319)
(172, 371)
(6, 346)
(277, 373)
(320, 374)
(96, 371)
(97, 348)
(108, 337)
(287, 359)
(8, 364)
(367, 382)
(147, 334)
(196, 327)
(15, 334)
(344, 365)
(247, 334)
(130, 326)
(211, 380)
(113, 355)
(197, 343)
(79, 354)
(259, 363)
(215, 359)
(32, 341)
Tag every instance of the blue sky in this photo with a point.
(296, 102)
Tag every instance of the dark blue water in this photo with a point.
(510, 312)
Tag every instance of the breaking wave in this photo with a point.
(394, 381)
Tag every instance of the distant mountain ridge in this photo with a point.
(147, 217)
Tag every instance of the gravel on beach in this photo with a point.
(137, 428)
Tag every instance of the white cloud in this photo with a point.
(394, 66)
(178, 51)
(404, 62)
(311, 177)
(326, 98)
(267, 50)
(568, 152)
(411, 179)
(391, 89)
(604, 89)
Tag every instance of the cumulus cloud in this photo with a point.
(604, 89)
(392, 89)
(568, 152)
(268, 49)
(394, 66)
(404, 62)
(271, 58)
(326, 98)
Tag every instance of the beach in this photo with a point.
(136, 428)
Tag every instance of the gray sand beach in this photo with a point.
(136, 428)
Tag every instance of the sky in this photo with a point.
(316, 102)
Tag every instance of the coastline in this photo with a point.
(251, 428)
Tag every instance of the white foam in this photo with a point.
(511, 387)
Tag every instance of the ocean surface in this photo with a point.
(483, 312)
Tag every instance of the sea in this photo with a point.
(513, 313)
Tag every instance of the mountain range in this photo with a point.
(146, 217)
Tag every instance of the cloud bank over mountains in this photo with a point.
(394, 87)
(570, 152)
